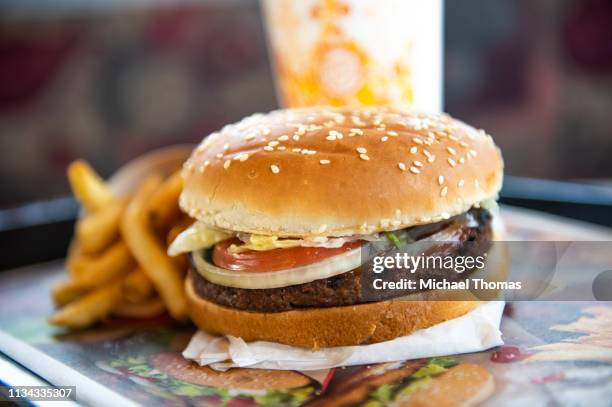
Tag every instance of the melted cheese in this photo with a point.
(200, 236)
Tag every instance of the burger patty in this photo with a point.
(473, 239)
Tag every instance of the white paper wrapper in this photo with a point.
(473, 332)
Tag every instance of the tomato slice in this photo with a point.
(275, 259)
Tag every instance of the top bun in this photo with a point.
(339, 171)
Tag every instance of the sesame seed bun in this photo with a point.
(339, 171)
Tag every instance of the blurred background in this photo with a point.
(109, 80)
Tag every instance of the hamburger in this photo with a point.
(439, 381)
(184, 383)
(286, 203)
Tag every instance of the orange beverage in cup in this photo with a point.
(364, 52)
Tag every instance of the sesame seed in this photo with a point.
(273, 143)
(392, 133)
(330, 138)
(453, 137)
(445, 215)
(225, 146)
(268, 148)
(417, 140)
(402, 166)
(301, 130)
(414, 149)
(219, 155)
(226, 164)
(444, 191)
(460, 183)
(275, 169)
(451, 162)
(441, 179)
(431, 158)
(296, 150)
(206, 163)
(427, 153)
(357, 131)
(296, 137)
(418, 163)
(281, 148)
(414, 170)
(265, 131)
(284, 137)
(451, 150)
(473, 153)
(364, 157)
(361, 150)
(461, 160)
(324, 162)
(384, 138)
(250, 137)
(463, 144)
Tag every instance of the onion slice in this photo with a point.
(326, 268)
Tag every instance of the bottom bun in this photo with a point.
(325, 327)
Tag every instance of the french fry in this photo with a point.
(137, 287)
(146, 309)
(91, 271)
(150, 253)
(87, 186)
(66, 291)
(97, 230)
(163, 205)
(89, 309)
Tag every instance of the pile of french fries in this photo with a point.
(117, 262)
